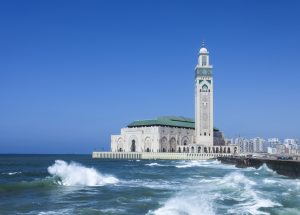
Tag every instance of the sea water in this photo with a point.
(65, 184)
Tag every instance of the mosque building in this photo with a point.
(178, 134)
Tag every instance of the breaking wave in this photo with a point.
(189, 205)
(205, 196)
(265, 168)
(74, 174)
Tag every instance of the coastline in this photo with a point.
(289, 168)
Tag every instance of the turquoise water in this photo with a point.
(64, 184)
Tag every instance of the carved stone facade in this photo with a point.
(152, 139)
(165, 139)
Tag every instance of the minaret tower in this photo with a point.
(204, 115)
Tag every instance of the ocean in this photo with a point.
(78, 184)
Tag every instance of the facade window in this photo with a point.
(204, 133)
(204, 88)
(204, 60)
(132, 148)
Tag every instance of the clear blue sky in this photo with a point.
(74, 72)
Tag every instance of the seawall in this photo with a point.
(158, 155)
(290, 168)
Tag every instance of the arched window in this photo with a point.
(204, 60)
(204, 88)
(199, 149)
(132, 148)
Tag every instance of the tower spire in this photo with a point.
(202, 44)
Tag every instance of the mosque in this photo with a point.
(173, 134)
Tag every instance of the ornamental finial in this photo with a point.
(202, 44)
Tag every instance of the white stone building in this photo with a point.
(179, 134)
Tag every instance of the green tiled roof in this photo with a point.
(170, 121)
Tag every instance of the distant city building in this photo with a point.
(259, 145)
(245, 146)
(271, 150)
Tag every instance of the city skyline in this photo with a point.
(68, 82)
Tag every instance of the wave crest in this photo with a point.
(154, 164)
(11, 173)
(74, 174)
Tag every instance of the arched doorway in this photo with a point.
(164, 144)
(173, 144)
(147, 144)
(192, 149)
(228, 150)
(205, 150)
(199, 149)
(120, 147)
(132, 148)
(179, 150)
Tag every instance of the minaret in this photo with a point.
(204, 115)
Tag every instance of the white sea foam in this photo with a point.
(269, 181)
(265, 168)
(196, 163)
(74, 174)
(154, 164)
(250, 199)
(201, 197)
(204, 163)
(153, 184)
(11, 173)
(62, 212)
(186, 204)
